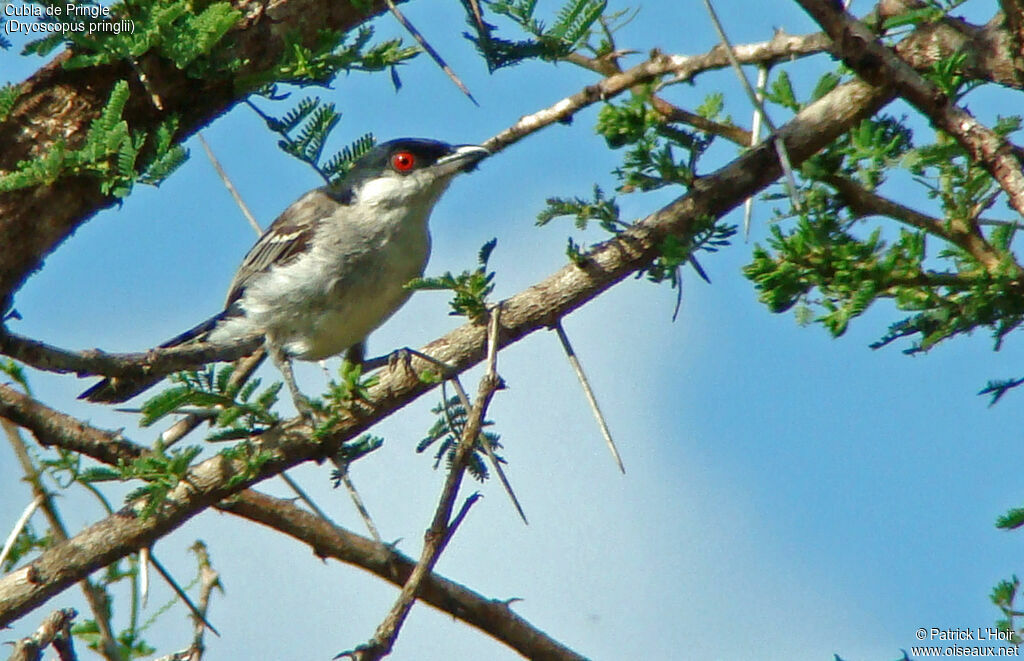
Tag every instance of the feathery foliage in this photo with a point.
(111, 154)
(172, 30)
(470, 288)
(332, 53)
(238, 411)
(305, 130)
(572, 26)
(9, 94)
(656, 154)
(343, 396)
(446, 432)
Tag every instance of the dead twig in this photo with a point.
(56, 630)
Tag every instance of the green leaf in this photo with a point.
(1011, 520)
(9, 94)
(470, 288)
(781, 92)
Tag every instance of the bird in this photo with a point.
(333, 266)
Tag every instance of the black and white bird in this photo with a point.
(333, 267)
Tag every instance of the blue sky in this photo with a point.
(787, 495)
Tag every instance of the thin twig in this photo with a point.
(357, 500)
(96, 596)
(443, 526)
(55, 629)
(209, 579)
(588, 391)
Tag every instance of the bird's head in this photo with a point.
(407, 171)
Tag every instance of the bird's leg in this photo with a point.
(284, 365)
(356, 353)
(401, 356)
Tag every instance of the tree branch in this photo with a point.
(325, 538)
(96, 596)
(155, 362)
(873, 61)
(1013, 13)
(865, 202)
(56, 630)
(330, 541)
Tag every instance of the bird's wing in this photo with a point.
(287, 237)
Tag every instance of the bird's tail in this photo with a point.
(117, 389)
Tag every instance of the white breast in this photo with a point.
(348, 285)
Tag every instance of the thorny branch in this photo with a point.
(95, 596)
(878, 64)
(325, 538)
(443, 526)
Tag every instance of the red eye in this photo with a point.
(403, 161)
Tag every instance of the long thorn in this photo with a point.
(304, 497)
(144, 557)
(181, 593)
(357, 500)
(578, 368)
(780, 149)
(230, 186)
(755, 137)
(429, 49)
(19, 525)
(492, 352)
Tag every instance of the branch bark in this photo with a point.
(156, 362)
(329, 541)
